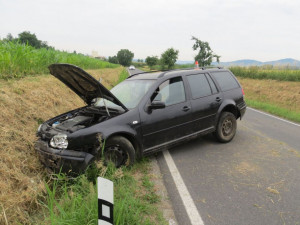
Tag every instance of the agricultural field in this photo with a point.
(281, 98)
(264, 73)
(19, 60)
(272, 89)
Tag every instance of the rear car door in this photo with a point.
(164, 126)
(205, 100)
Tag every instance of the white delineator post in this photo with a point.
(105, 201)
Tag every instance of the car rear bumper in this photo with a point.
(242, 109)
(67, 161)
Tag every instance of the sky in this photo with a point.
(262, 30)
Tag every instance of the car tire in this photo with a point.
(119, 151)
(226, 127)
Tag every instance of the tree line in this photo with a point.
(169, 57)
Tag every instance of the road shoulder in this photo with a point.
(165, 205)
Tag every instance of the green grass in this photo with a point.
(74, 201)
(255, 72)
(274, 109)
(123, 75)
(19, 60)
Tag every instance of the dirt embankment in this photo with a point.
(24, 104)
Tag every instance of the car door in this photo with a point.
(164, 126)
(205, 101)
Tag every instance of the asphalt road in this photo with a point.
(134, 71)
(254, 179)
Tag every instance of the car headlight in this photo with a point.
(59, 141)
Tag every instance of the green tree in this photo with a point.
(113, 59)
(151, 61)
(125, 57)
(9, 37)
(169, 57)
(205, 54)
(27, 38)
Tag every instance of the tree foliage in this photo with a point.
(169, 58)
(125, 57)
(151, 61)
(113, 59)
(205, 55)
(28, 38)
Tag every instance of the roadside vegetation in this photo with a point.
(18, 60)
(135, 200)
(267, 73)
(281, 98)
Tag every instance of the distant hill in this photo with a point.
(249, 62)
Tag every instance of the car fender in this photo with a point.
(127, 132)
(228, 103)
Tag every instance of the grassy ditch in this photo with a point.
(262, 73)
(20, 60)
(25, 103)
(281, 98)
(75, 201)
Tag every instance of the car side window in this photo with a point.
(225, 80)
(171, 92)
(199, 85)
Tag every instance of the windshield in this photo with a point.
(129, 92)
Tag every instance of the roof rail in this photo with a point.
(153, 71)
(164, 72)
(192, 68)
(167, 71)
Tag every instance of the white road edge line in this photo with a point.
(267, 114)
(186, 198)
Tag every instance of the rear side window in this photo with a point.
(199, 85)
(225, 80)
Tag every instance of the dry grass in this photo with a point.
(24, 104)
(284, 94)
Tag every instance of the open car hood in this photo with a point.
(82, 83)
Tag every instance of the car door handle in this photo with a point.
(186, 108)
(218, 99)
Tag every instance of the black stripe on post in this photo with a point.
(102, 202)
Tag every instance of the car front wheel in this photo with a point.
(226, 127)
(119, 151)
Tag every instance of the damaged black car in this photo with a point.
(146, 113)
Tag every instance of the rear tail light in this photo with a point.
(243, 91)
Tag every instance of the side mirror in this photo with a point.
(157, 105)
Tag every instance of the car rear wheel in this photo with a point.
(119, 151)
(226, 127)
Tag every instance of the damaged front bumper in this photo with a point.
(67, 161)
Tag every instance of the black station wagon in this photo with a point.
(146, 113)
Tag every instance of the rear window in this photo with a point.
(225, 80)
